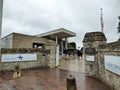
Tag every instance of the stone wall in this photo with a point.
(96, 68)
(17, 40)
(45, 58)
(111, 49)
(92, 40)
(26, 41)
(51, 45)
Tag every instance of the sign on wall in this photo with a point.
(90, 51)
(112, 63)
(90, 58)
(18, 57)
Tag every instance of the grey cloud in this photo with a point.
(80, 16)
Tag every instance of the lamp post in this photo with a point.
(1, 8)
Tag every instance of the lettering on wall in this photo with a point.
(112, 63)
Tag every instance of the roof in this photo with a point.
(15, 33)
(61, 33)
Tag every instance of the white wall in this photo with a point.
(7, 41)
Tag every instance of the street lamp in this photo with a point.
(1, 9)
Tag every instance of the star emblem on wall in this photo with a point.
(20, 57)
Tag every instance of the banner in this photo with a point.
(18, 57)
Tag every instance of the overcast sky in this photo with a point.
(80, 16)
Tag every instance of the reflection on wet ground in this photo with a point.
(72, 65)
(50, 79)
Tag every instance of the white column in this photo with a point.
(57, 52)
(65, 43)
(56, 40)
(62, 46)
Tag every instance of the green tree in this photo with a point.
(72, 44)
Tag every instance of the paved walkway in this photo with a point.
(72, 65)
(51, 79)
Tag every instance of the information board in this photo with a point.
(112, 63)
(90, 51)
(90, 58)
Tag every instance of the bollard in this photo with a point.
(71, 83)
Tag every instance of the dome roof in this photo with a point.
(94, 36)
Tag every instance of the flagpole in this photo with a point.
(101, 19)
(1, 9)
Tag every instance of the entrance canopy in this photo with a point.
(60, 33)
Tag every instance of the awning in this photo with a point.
(60, 33)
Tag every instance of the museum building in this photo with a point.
(17, 40)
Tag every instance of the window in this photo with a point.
(37, 45)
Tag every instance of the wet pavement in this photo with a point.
(51, 79)
(72, 65)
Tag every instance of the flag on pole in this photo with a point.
(101, 19)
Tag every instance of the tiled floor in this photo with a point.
(51, 79)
